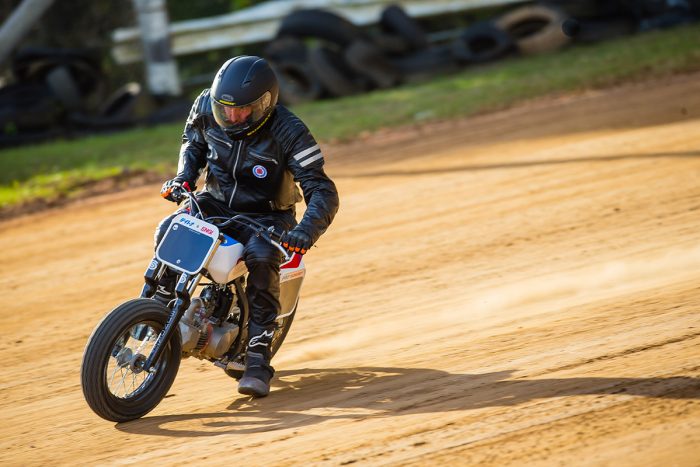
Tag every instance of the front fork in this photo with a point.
(183, 294)
(153, 273)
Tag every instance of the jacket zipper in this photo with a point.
(235, 181)
(211, 135)
(263, 158)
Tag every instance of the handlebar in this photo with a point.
(260, 230)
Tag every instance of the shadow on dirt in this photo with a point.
(520, 164)
(369, 392)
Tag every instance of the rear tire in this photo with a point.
(108, 342)
(277, 339)
(281, 332)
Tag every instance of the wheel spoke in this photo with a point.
(114, 375)
(123, 382)
(140, 348)
(133, 383)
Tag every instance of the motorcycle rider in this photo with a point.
(254, 150)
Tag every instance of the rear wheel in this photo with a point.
(114, 385)
(283, 326)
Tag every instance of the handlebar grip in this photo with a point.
(166, 193)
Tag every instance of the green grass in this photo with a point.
(58, 168)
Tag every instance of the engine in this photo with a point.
(206, 327)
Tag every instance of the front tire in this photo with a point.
(112, 384)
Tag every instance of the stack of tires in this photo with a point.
(598, 20)
(319, 54)
(60, 92)
(48, 85)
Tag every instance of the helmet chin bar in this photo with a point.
(240, 134)
(261, 109)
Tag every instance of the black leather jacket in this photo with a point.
(258, 173)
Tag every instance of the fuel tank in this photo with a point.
(227, 264)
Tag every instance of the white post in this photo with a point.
(161, 69)
(19, 23)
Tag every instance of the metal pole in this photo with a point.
(161, 69)
(19, 23)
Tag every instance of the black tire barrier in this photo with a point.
(587, 8)
(64, 88)
(118, 110)
(28, 107)
(669, 19)
(426, 62)
(601, 29)
(395, 20)
(369, 61)
(298, 84)
(285, 49)
(174, 111)
(334, 73)
(535, 29)
(392, 44)
(481, 42)
(655, 7)
(33, 64)
(571, 27)
(120, 104)
(320, 24)
(695, 7)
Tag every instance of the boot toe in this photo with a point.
(253, 387)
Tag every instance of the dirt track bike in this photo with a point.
(133, 355)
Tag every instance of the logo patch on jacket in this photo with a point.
(260, 171)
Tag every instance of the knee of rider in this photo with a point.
(262, 256)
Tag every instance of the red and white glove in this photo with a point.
(173, 190)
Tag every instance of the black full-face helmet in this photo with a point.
(243, 95)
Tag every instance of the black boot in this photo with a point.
(258, 372)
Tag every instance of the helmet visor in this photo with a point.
(237, 118)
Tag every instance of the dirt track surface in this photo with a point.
(521, 287)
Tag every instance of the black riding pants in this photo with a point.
(262, 259)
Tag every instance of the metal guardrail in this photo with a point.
(260, 23)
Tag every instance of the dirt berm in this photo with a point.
(517, 288)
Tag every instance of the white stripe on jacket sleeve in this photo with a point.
(306, 152)
(311, 159)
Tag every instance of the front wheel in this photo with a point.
(114, 385)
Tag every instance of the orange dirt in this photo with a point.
(520, 287)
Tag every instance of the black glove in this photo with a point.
(172, 190)
(297, 240)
